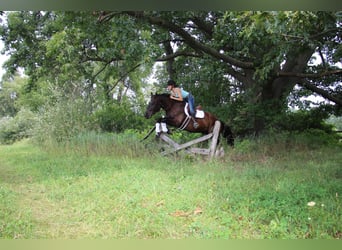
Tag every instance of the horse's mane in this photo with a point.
(163, 94)
(167, 96)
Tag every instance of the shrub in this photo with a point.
(117, 118)
(18, 127)
(7, 130)
(62, 120)
(304, 120)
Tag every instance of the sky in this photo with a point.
(3, 58)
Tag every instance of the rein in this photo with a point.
(149, 133)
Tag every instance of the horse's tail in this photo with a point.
(227, 133)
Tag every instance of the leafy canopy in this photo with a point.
(245, 66)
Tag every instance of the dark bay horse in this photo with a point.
(175, 117)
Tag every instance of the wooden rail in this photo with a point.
(211, 151)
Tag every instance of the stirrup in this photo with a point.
(195, 124)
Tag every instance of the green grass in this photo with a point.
(105, 187)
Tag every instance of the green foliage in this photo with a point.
(234, 63)
(273, 41)
(67, 48)
(10, 93)
(317, 137)
(18, 127)
(117, 118)
(302, 120)
(7, 130)
(62, 119)
(336, 122)
(247, 115)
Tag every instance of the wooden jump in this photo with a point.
(211, 151)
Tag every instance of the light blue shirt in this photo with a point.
(184, 93)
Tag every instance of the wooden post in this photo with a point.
(211, 151)
(216, 133)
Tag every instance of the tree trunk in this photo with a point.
(169, 63)
(272, 95)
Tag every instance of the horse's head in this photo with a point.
(153, 106)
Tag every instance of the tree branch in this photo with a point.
(207, 28)
(306, 84)
(305, 75)
(176, 54)
(170, 60)
(103, 68)
(314, 36)
(322, 57)
(123, 77)
(104, 16)
(190, 40)
(325, 32)
(186, 38)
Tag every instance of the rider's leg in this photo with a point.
(191, 102)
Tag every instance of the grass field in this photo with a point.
(106, 187)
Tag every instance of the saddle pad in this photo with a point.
(199, 113)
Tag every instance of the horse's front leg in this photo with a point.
(161, 126)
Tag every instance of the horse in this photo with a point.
(176, 117)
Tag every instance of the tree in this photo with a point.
(245, 65)
(261, 56)
(9, 93)
(72, 51)
(69, 56)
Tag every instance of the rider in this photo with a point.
(182, 95)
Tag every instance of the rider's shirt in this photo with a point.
(183, 93)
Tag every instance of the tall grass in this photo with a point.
(99, 144)
(113, 186)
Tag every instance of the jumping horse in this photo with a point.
(176, 117)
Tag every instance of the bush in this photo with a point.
(62, 120)
(314, 138)
(117, 118)
(7, 130)
(18, 127)
(304, 120)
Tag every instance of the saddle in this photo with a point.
(199, 112)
